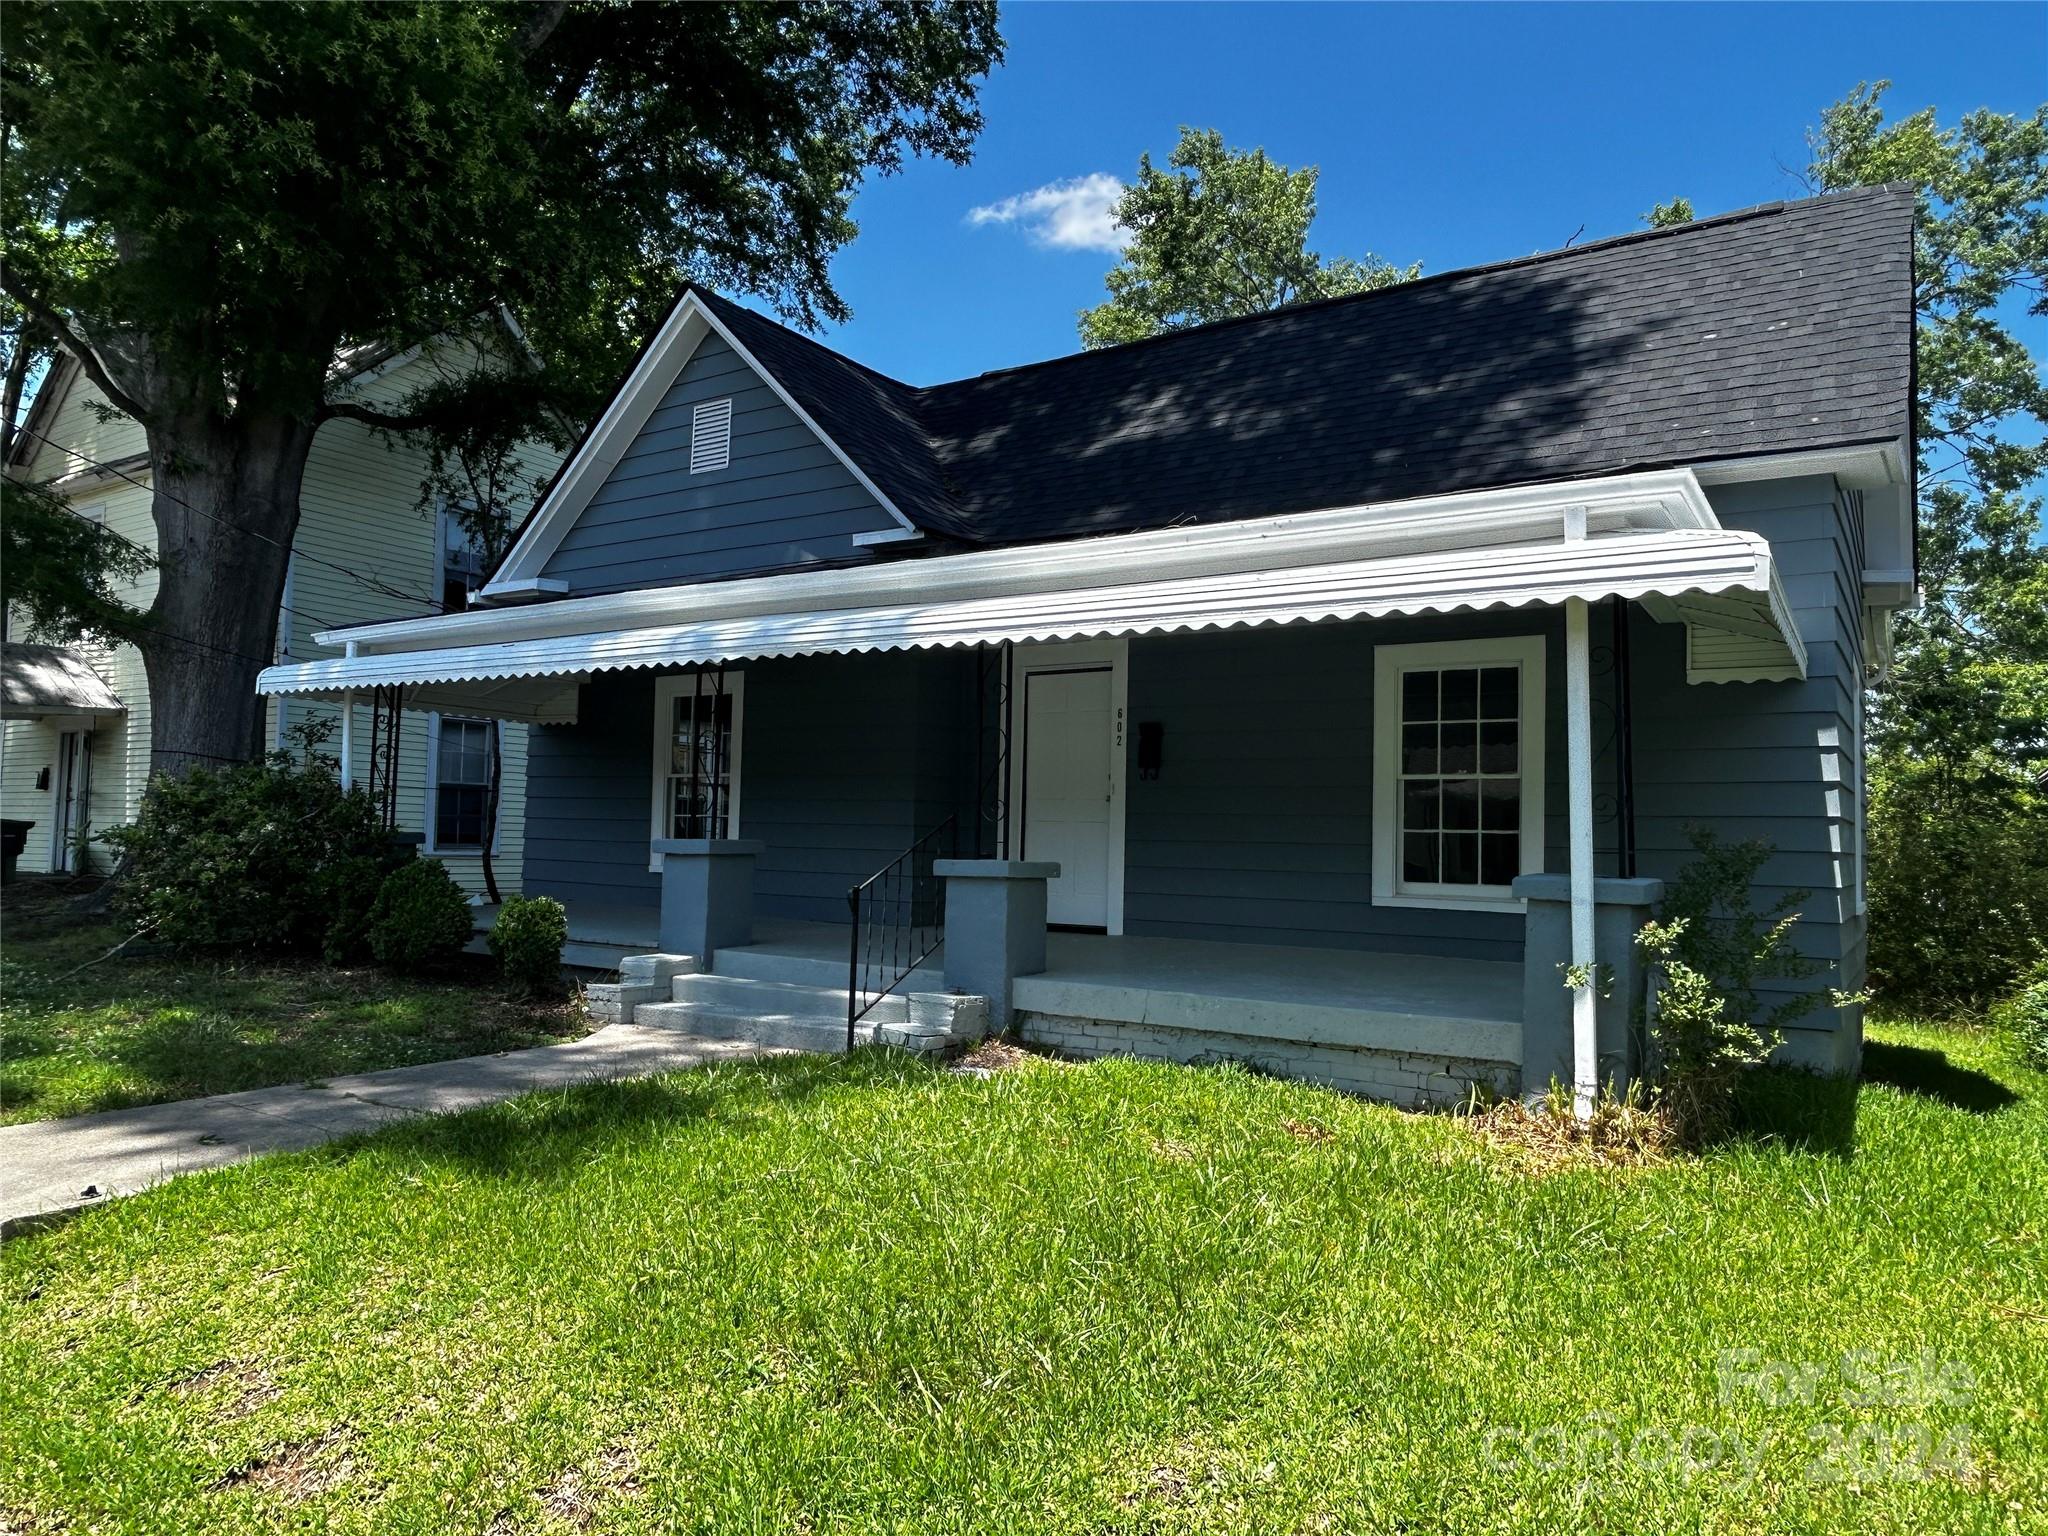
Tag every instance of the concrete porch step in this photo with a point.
(785, 1032)
(773, 963)
(737, 994)
(770, 1013)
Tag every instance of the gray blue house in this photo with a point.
(1308, 689)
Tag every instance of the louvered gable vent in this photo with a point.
(710, 436)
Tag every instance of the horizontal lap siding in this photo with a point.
(588, 789)
(366, 549)
(120, 745)
(79, 435)
(1259, 827)
(1772, 761)
(844, 760)
(785, 499)
(847, 764)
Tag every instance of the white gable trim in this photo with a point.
(665, 358)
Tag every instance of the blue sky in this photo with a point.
(1448, 134)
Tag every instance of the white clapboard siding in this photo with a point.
(365, 550)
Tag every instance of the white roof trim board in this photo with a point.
(1652, 502)
(1733, 569)
(599, 453)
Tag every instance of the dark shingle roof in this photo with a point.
(1781, 328)
(872, 417)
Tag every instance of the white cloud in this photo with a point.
(1076, 215)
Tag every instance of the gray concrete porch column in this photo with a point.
(1620, 907)
(707, 893)
(995, 926)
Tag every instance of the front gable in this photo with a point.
(781, 497)
(702, 466)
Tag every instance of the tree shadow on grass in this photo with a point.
(553, 1133)
(1803, 1110)
(1929, 1074)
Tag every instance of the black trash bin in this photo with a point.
(13, 838)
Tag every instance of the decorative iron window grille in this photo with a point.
(700, 759)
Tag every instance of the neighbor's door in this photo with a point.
(1068, 790)
(74, 797)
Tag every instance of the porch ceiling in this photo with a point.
(1715, 580)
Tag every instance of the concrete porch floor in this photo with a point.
(1424, 1004)
(1388, 1002)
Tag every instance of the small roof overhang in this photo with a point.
(1652, 539)
(38, 682)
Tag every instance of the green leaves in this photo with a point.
(1970, 681)
(1219, 233)
(1669, 215)
(210, 204)
(59, 573)
(1958, 880)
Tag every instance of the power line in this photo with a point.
(377, 588)
(205, 645)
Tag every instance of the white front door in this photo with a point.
(1069, 789)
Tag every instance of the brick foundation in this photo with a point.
(1408, 1080)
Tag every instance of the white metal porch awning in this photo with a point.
(1721, 584)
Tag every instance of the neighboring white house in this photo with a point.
(365, 550)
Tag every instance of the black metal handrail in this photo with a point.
(899, 918)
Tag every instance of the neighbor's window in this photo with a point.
(462, 564)
(463, 750)
(1458, 743)
(697, 720)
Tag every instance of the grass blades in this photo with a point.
(78, 1034)
(865, 1295)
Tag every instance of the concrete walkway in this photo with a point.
(53, 1166)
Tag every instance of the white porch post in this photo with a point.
(348, 728)
(1579, 791)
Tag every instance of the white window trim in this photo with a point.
(428, 819)
(1068, 656)
(666, 691)
(1388, 662)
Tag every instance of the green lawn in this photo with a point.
(131, 1031)
(865, 1295)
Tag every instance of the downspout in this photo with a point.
(1624, 746)
(348, 727)
(1578, 673)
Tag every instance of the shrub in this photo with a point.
(421, 919)
(240, 858)
(1713, 948)
(348, 890)
(2023, 1018)
(527, 940)
(1958, 880)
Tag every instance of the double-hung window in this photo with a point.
(462, 757)
(461, 563)
(1457, 771)
(698, 721)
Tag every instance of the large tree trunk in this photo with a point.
(226, 505)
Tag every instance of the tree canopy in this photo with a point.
(209, 204)
(1958, 819)
(1669, 215)
(1971, 674)
(1219, 233)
